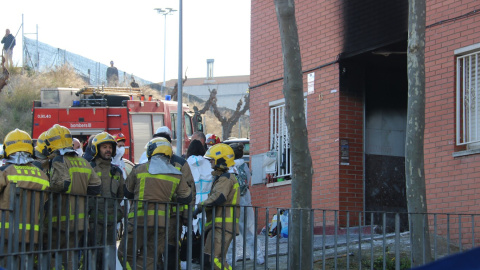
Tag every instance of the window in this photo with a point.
(188, 124)
(468, 104)
(279, 139)
(157, 121)
(142, 129)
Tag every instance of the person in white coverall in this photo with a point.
(202, 175)
(246, 209)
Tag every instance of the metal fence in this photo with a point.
(35, 235)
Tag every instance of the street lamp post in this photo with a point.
(164, 12)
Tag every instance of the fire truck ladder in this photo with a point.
(102, 91)
(96, 95)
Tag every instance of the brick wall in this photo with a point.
(351, 176)
(452, 183)
(320, 34)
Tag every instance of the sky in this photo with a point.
(131, 33)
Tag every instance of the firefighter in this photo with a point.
(119, 152)
(42, 152)
(103, 149)
(173, 235)
(19, 169)
(70, 175)
(223, 197)
(181, 165)
(156, 181)
(212, 140)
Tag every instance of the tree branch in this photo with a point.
(175, 88)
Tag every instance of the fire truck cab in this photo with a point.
(91, 110)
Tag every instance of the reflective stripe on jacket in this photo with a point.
(73, 175)
(25, 176)
(225, 194)
(154, 188)
(112, 187)
(182, 165)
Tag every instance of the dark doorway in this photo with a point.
(383, 80)
(385, 125)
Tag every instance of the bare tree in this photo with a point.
(227, 123)
(300, 233)
(175, 88)
(414, 155)
(211, 99)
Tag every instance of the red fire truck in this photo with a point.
(92, 110)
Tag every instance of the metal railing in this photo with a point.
(42, 239)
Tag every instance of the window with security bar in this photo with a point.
(280, 140)
(468, 104)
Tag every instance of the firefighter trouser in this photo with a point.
(67, 257)
(173, 244)
(95, 238)
(219, 255)
(145, 249)
(27, 262)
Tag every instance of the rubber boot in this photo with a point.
(160, 264)
(207, 261)
(171, 257)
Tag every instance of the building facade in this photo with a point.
(354, 66)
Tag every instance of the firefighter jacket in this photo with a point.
(154, 188)
(72, 175)
(112, 187)
(43, 164)
(25, 176)
(224, 195)
(182, 165)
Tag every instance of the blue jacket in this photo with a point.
(8, 42)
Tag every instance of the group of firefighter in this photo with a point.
(78, 200)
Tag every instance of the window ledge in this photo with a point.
(277, 184)
(466, 152)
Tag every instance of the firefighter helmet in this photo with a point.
(212, 140)
(17, 141)
(164, 129)
(222, 154)
(42, 147)
(59, 137)
(102, 138)
(119, 137)
(159, 145)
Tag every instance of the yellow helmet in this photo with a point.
(222, 154)
(102, 138)
(59, 137)
(17, 141)
(159, 145)
(42, 147)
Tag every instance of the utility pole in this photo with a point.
(180, 81)
(164, 12)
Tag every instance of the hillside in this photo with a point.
(17, 97)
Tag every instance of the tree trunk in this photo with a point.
(300, 233)
(414, 155)
(228, 123)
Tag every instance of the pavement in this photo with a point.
(335, 246)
